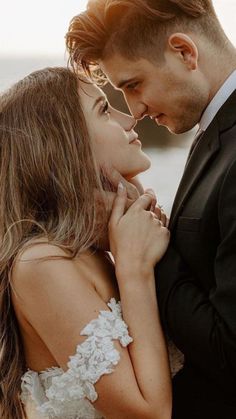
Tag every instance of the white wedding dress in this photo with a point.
(69, 395)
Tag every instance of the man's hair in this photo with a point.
(135, 29)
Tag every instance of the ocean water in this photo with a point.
(168, 153)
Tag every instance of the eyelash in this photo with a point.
(132, 86)
(105, 108)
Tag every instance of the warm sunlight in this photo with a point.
(37, 28)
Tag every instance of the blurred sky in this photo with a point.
(29, 27)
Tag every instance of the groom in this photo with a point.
(174, 63)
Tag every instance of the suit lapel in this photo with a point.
(206, 148)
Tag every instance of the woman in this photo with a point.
(64, 345)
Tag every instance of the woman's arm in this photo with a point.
(135, 276)
(58, 301)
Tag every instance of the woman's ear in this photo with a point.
(182, 44)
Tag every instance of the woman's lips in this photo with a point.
(136, 141)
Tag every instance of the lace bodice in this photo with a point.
(69, 395)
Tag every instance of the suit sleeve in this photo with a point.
(203, 325)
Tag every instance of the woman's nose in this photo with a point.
(132, 122)
(126, 121)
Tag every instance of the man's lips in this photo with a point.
(159, 119)
(156, 117)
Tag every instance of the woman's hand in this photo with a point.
(138, 238)
(138, 185)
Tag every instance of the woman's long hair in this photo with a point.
(47, 181)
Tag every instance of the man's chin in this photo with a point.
(177, 130)
(161, 122)
(172, 130)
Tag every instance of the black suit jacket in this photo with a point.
(196, 280)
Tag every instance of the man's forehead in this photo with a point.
(120, 69)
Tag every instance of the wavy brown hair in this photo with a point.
(135, 29)
(47, 181)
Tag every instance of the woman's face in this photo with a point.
(114, 141)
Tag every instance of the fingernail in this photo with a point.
(121, 188)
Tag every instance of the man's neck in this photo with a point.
(221, 69)
(221, 96)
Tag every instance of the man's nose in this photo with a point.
(138, 109)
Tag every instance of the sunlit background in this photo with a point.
(38, 27)
(32, 36)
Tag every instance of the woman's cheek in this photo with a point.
(106, 158)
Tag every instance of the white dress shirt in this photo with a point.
(218, 100)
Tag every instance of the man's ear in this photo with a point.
(182, 44)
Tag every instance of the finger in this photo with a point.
(163, 218)
(119, 204)
(132, 191)
(158, 222)
(150, 191)
(154, 201)
(136, 182)
(129, 202)
(153, 205)
(144, 201)
(157, 211)
(115, 178)
(155, 217)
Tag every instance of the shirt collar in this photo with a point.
(217, 102)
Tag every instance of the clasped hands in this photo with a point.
(134, 190)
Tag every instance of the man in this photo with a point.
(174, 63)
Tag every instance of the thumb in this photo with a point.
(119, 204)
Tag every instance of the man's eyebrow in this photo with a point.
(123, 82)
(99, 99)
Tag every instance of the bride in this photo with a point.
(68, 348)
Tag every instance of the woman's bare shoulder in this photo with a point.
(38, 260)
(41, 267)
(38, 249)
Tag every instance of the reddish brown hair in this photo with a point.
(135, 28)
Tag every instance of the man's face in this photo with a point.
(171, 93)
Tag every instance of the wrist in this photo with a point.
(133, 271)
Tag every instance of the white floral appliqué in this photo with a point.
(67, 395)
